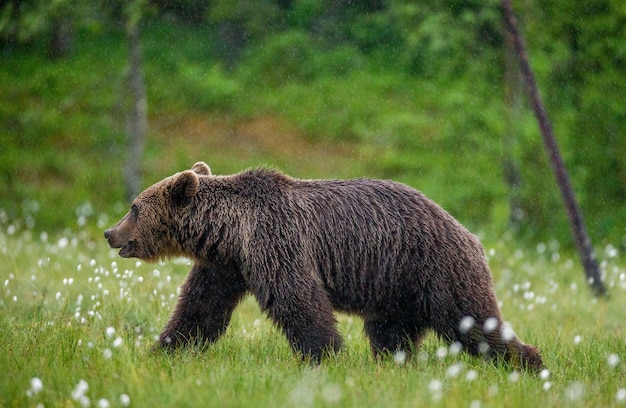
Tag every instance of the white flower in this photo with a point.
(490, 324)
(471, 375)
(435, 386)
(117, 342)
(453, 370)
(331, 393)
(507, 333)
(399, 357)
(613, 360)
(575, 391)
(36, 385)
(62, 243)
(110, 331)
(466, 324)
(79, 391)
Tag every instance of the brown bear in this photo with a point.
(306, 248)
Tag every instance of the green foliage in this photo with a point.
(257, 18)
(287, 57)
(24, 20)
(208, 89)
(304, 14)
(194, 11)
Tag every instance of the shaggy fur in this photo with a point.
(306, 248)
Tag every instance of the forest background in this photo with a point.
(427, 93)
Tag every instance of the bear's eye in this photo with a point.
(134, 211)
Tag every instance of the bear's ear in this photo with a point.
(201, 168)
(184, 188)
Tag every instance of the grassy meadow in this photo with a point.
(77, 324)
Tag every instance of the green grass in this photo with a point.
(72, 310)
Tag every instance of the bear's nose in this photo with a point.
(107, 233)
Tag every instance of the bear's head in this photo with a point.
(148, 231)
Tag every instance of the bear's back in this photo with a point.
(368, 240)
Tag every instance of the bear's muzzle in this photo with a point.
(126, 250)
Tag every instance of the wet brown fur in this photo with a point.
(306, 248)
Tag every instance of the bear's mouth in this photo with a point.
(127, 250)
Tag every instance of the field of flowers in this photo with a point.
(77, 324)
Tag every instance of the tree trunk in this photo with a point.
(233, 38)
(137, 125)
(512, 92)
(61, 38)
(581, 238)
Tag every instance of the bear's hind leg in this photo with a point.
(207, 300)
(494, 339)
(390, 336)
(467, 312)
(491, 338)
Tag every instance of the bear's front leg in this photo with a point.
(304, 313)
(205, 305)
